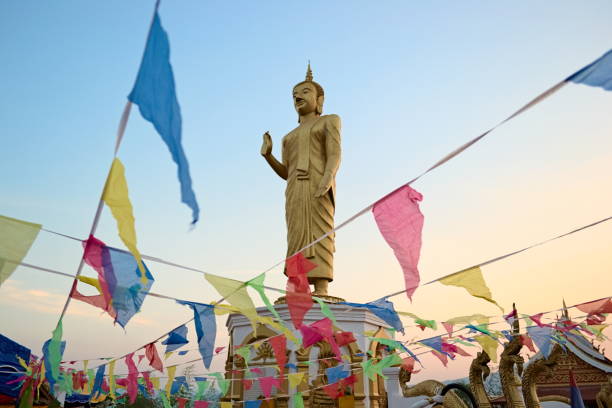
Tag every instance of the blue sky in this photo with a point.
(410, 80)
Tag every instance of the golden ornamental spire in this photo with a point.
(309, 73)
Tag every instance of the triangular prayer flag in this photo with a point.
(132, 378)
(596, 307)
(176, 339)
(200, 404)
(384, 309)
(489, 345)
(171, 373)
(400, 222)
(325, 310)
(298, 296)
(235, 292)
(111, 378)
(472, 281)
(154, 359)
(180, 402)
(202, 387)
(298, 400)
(252, 404)
(16, 238)
(267, 385)
(343, 338)
(335, 374)
(206, 328)
(154, 93)
(443, 357)
(527, 342)
(449, 328)
(257, 283)
(116, 197)
(53, 349)
(542, 337)
(598, 73)
(279, 346)
(295, 379)
(222, 383)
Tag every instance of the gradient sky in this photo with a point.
(410, 80)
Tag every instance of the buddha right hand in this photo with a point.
(266, 147)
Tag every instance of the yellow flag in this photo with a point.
(235, 292)
(168, 354)
(155, 382)
(225, 404)
(117, 199)
(280, 328)
(91, 281)
(473, 282)
(489, 345)
(295, 379)
(171, 372)
(111, 378)
(478, 318)
(16, 238)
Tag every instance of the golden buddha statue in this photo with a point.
(310, 160)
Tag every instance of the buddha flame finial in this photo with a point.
(309, 73)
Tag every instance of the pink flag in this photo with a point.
(527, 342)
(333, 391)
(132, 378)
(537, 319)
(248, 383)
(153, 357)
(400, 222)
(299, 299)
(267, 383)
(449, 328)
(443, 358)
(256, 370)
(596, 307)
(321, 329)
(219, 349)
(279, 345)
(200, 404)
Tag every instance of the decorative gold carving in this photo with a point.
(509, 364)
(431, 389)
(537, 368)
(479, 371)
(604, 396)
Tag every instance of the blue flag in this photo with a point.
(542, 337)
(176, 339)
(576, 400)
(252, 404)
(384, 309)
(155, 94)
(97, 385)
(597, 73)
(206, 328)
(335, 374)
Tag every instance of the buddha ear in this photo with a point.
(320, 100)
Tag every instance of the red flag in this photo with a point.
(200, 404)
(181, 402)
(400, 222)
(299, 299)
(527, 342)
(279, 346)
(154, 360)
(596, 307)
(344, 338)
(132, 378)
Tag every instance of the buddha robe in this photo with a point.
(310, 152)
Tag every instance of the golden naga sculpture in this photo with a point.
(539, 366)
(511, 382)
(479, 371)
(436, 392)
(310, 160)
(604, 396)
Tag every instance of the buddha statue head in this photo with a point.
(308, 96)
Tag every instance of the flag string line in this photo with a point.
(439, 163)
(409, 342)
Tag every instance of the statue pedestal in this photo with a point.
(367, 393)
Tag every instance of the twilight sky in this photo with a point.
(411, 81)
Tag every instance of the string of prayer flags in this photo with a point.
(478, 318)
(155, 94)
(400, 222)
(472, 281)
(176, 339)
(423, 324)
(153, 357)
(257, 283)
(295, 379)
(434, 343)
(116, 197)
(298, 296)
(267, 385)
(443, 357)
(279, 346)
(235, 292)
(537, 319)
(388, 361)
(268, 321)
(489, 345)
(598, 73)
(542, 337)
(120, 279)
(392, 344)
(53, 349)
(206, 328)
(16, 238)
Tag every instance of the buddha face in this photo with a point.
(305, 98)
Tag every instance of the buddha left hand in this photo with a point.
(324, 185)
